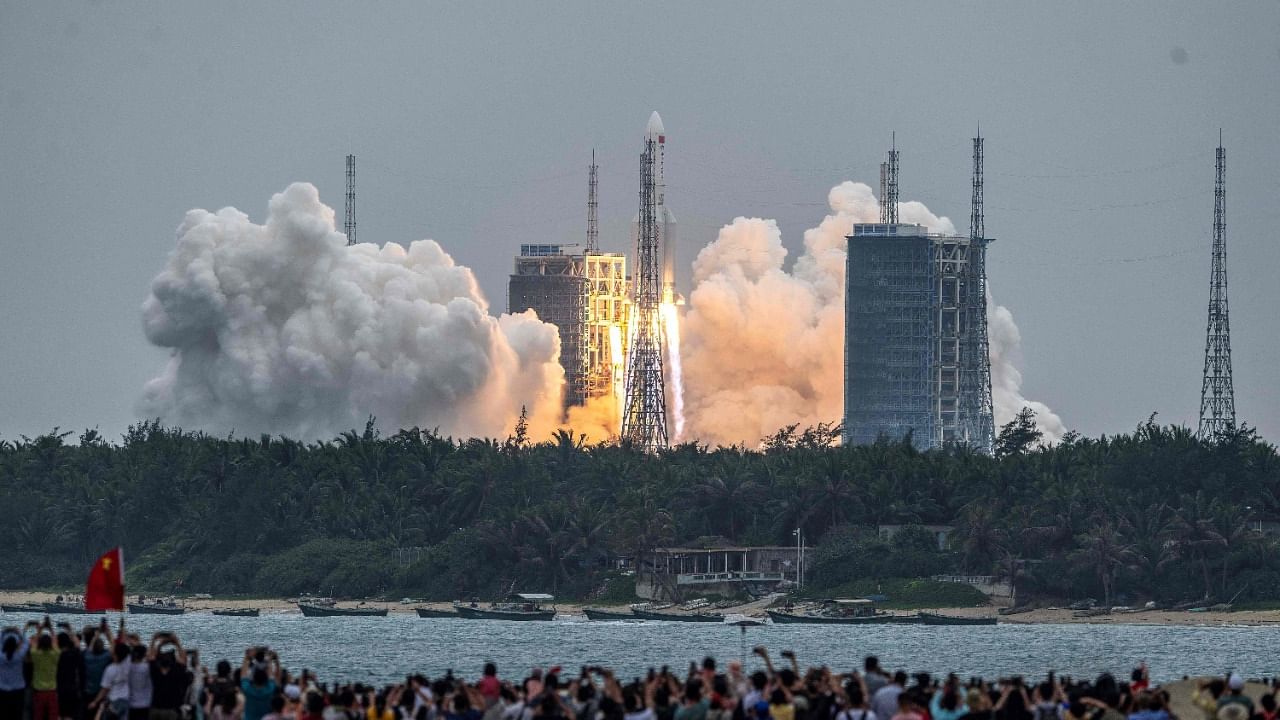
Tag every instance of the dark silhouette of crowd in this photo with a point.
(50, 672)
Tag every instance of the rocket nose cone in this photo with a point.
(655, 125)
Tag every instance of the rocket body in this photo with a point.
(666, 221)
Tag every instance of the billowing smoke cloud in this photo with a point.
(283, 328)
(764, 347)
(1006, 379)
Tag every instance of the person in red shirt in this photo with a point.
(489, 686)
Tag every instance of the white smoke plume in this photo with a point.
(283, 328)
(764, 347)
(1006, 379)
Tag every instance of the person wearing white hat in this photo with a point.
(1235, 696)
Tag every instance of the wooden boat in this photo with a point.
(434, 613)
(677, 617)
(857, 611)
(236, 612)
(519, 606)
(818, 619)
(155, 608)
(602, 614)
(23, 608)
(927, 618)
(332, 610)
(64, 608)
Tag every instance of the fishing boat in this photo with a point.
(677, 617)
(236, 612)
(434, 613)
(602, 614)
(330, 609)
(858, 611)
(927, 618)
(155, 607)
(23, 608)
(62, 607)
(519, 606)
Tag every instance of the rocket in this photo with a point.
(666, 221)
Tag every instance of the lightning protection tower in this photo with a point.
(1217, 395)
(593, 225)
(977, 394)
(349, 226)
(644, 417)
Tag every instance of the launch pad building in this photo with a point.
(916, 352)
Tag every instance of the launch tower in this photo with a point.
(644, 417)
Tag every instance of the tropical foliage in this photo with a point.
(1151, 514)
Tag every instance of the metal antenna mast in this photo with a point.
(977, 292)
(593, 225)
(644, 417)
(1217, 396)
(892, 194)
(350, 225)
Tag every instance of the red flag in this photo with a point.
(105, 589)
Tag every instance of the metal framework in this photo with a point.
(644, 417)
(884, 193)
(1217, 395)
(593, 224)
(891, 192)
(349, 226)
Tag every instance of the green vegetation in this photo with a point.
(1154, 514)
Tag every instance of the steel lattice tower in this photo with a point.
(644, 417)
(593, 225)
(1217, 395)
(890, 198)
(884, 193)
(350, 224)
(977, 302)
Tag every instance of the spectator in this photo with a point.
(70, 676)
(14, 648)
(114, 690)
(259, 678)
(170, 678)
(884, 702)
(44, 675)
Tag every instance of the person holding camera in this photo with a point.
(259, 680)
(170, 677)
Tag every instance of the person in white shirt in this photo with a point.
(115, 686)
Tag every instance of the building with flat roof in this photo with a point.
(915, 351)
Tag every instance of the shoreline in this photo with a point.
(1042, 616)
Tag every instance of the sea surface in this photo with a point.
(385, 649)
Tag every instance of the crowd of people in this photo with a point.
(50, 672)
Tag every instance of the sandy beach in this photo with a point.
(1042, 616)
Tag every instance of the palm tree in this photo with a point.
(1107, 553)
(1194, 538)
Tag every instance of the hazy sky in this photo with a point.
(473, 124)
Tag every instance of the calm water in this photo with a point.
(384, 649)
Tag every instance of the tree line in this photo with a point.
(1152, 514)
